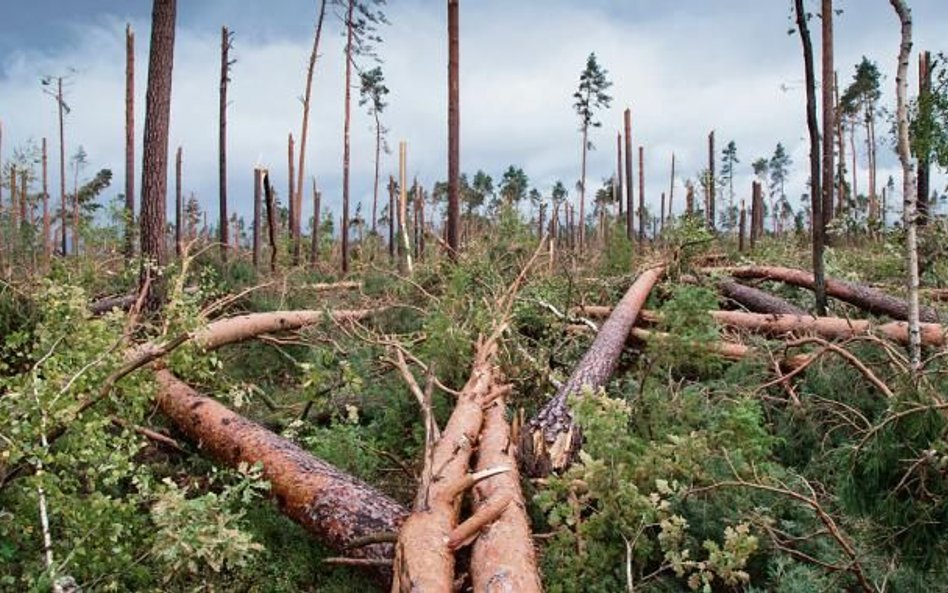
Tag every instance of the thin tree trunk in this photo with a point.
(271, 220)
(817, 226)
(314, 247)
(829, 114)
(618, 189)
(841, 142)
(226, 44)
(294, 204)
(345, 146)
(129, 142)
(711, 182)
(454, 130)
(662, 213)
(257, 207)
(671, 188)
(863, 297)
(404, 247)
(307, 94)
(756, 300)
(179, 207)
(742, 228)
(909, 214)
(155, 146)
(392, 213)
(552, 439)
(47, 245)
(641, 196)
(62, 164)
(924, 164)
(582, 192)
(375, 184)
(629, 184)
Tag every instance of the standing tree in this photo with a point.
(590, 97)
(227, 43)
(779, 168)
(454, 128)
(513, 185)
(862, 97)
(816, 195)
(79, 162)
(63, 108)
(361, 20)
(301, 168)
(629, 182)
(829, 114)
(712, 206)
(909, 213)
(728, 161)
(179, 207)
(372, 92)
(155, 146)
(129, 142)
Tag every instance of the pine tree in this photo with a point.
(590, 97)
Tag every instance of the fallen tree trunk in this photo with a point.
(503, 558)
(424, 561)
(122, 302)
(831, 328)
(330, 504)
(551, 439)
(244, 327)
(756, 300)
(864, 297)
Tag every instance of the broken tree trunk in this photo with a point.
(756, 300)
(551, 439)
(244, 327)
(332, 505)
(503, 558)
(864, 297)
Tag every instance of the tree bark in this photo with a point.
(345, 147)
(829, 113)
(641, 196)
(271, 220)
(314, 247)
(155, 146)
(391, 217)
(817, 226)
(179, 207)
(924, 164)
(454, 130)
(629, 185)
(257, 215)
(618, 184)
(330, 504)
(226, 44)
(742, 228)
(47, 245)
(294, 204)
(503, 557)
(909, 214)
(582, 191)
(307, 94)
(711, 182)
(671, 188)
(129, 142)
(551, 439)
(756, 300)
(62, 163)
(864, 297)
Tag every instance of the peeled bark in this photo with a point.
(503, 558)
(245, 327)
(424, 561)
(332, 505)
(864, 297)
(551, 439)
(756, 300)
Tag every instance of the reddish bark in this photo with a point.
(503, 557)
(864, 297)
(551, 439)
(330, 504)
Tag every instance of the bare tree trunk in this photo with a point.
(829, 114)
(551, 439)
(271, 220)
(742, 228)
(756, 300)
(375, 184)
(227, 40)
(405, 259)
(909, 214)
(582, 192)
(924, 164)
(257, 207)
(392, 213)
(179, 207)
(47, 245)
(129, 142)
(629, 184)
(307, 94)
(62, 164)
(618, 189)
(314, 247)
(454, 130)
(671, 188)
(345, 146)
(641, 196)
(294, 205)
(841, 142)
(155, 146)
(662, 213)
(711, 182)
(817, 225)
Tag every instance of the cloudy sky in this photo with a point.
(684, 67)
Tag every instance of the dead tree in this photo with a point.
(454, 131)
(293, 206)
(350, 49)
(711, 184)
(829, 113)
(861, 296)
(671, 188)
(629, 191)
(551, 439)
(257, 208)
(641, 195)
(742, 228)
(756, 300)
(924, 160)
(817, 226)
(271, 220)
(155, 146)
(179, 207)
(129, 142)
(227, 43)
(909, 212)
(304, 131)
(314, 247)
